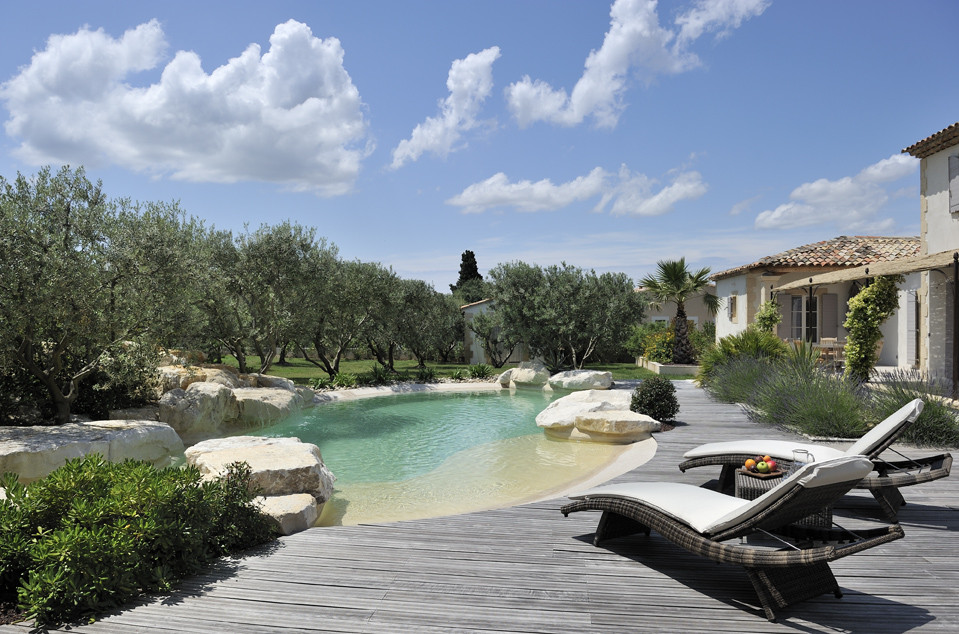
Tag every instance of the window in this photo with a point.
(795, 317)
(803, 318)
(731, 303)
(954, 184)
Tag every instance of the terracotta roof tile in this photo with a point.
(844, 251)
(945, 138)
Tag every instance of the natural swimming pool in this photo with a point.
(421, 455)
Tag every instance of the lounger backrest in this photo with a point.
(815, 474)
(881, 436)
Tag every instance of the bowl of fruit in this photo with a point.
(762, 467)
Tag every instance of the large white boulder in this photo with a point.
(179, 376)
(574, 380)
(264, 405)
(530, 373)
(267, 380)
(596, 415)
(280, 466)
(505, 378)
(203, 409)
(290, 513)
(33, 452)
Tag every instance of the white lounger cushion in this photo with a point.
(876, 436)
(783, 449)
(709, 512)
(777, 449)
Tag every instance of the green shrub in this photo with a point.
(425, 375)
(702, 338)
(736, 378)
(321, 383)
(810, 400)
(457, 375)
(480, 371)
(750, 342)
(345, 380)
(768, 316)
(937, 426)
(655, 397)
(378, 375)
(867, 311)
(94, 534)
(639, 335)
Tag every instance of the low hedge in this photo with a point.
(94, 534)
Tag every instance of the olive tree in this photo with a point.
(563, 313)
(255, 283)
(429, 323)
(85, 278)
(496, 341)
(341, 308)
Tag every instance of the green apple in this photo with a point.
(762, 467)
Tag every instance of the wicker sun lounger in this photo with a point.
(884, 482)
(703, 521)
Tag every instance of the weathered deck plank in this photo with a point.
(528, 569)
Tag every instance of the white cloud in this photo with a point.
(634, 194)
(629, 194)
(852, 201)
(636, 43)
(543, 195)
(290, 116)
(470, 82)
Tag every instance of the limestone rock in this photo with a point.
(581, 380)
(203, 409)
(290, 513)
(33, 452)
(223, 377)
(596, 415)
(266, 380)
(147, 412)
(505, 378)
(264, 405)
(280, 466)
(530, 373)
(178, 376)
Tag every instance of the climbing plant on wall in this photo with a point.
(868, 310)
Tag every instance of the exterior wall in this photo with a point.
(695, 311)
(731, 318)
(940, 229)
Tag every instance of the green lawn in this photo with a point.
(301, 371)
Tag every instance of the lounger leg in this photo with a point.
(779, 587)
(727, 479)
(614, 525)
(890, 499)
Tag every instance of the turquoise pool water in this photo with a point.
(425, 455)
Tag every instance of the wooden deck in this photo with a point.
(529, 569)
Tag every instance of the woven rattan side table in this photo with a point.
(749, 486)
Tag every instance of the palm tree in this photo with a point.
(673, 282)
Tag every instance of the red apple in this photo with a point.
(772, 464)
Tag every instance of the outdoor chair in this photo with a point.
(884, 482)
(708, 523)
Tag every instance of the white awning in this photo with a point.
(895, 267)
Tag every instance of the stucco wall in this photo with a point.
(940, 230)
(731, 289)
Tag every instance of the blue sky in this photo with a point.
(608, 136)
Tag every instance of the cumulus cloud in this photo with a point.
(470, 82)
(635, 43)
(290, 116)
(626, 194)
(635, 194)
(543, 195)
(851, 201)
